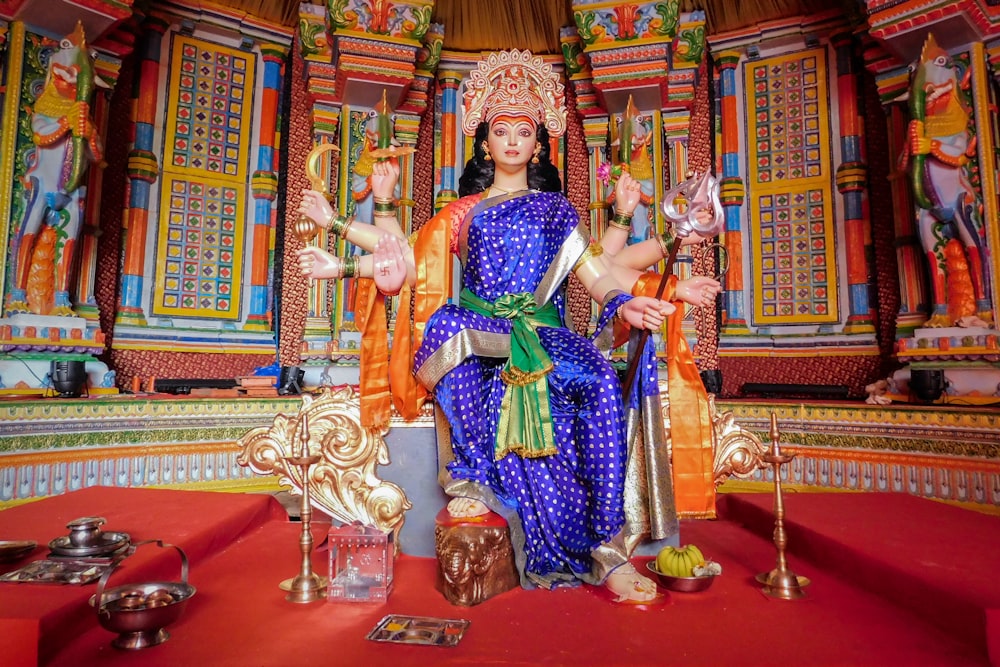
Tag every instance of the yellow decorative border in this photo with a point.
(83, 454)
(880, 417)
(987, 160)
(261, 484)
(12, 71)
(63, 410)
(799, 352)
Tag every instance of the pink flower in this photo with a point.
(604, 173)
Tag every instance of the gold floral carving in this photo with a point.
(738, 452)
(344, 483)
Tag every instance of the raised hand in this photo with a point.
(698, 291)
(627, 194)
(385, 175)
(390, 265)
(645, 312)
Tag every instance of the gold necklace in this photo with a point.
(505, 191)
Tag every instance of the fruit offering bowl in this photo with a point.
(681, 584)
(139, 613)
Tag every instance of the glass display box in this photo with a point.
(361, 560)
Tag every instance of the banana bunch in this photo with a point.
(680, 561)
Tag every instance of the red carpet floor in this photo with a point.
(848, 545)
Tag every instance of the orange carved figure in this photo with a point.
(41, 285)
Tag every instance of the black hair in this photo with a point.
(478, 173)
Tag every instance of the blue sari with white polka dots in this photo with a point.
(560, 507)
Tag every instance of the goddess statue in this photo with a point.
(536, 412)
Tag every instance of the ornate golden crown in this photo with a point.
(514, 83)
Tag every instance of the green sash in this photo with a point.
(525, 417)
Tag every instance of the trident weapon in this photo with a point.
(701, 192)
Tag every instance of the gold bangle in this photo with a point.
(339, 225)
(382, 214)
(347, 227)
(384, 207)
(617, 225)
(664, 248)
(620, 312)
(666, 240)
(622, 220)
(387, 200)
(350, 267)
(329, 221)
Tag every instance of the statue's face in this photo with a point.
(512, 142)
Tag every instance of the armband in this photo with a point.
(593, 250)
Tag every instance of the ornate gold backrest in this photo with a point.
(738, 452)
(344, 483)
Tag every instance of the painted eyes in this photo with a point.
(522, 132)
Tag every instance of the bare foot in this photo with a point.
(629, 585)
(465, 507)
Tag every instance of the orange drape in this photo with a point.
(374, 381)
(690, 421)
(432, 260)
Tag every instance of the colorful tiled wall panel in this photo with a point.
(791, 202)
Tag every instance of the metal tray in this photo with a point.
(108, 544)
(56, 572)
(11, 550)
(420, 630)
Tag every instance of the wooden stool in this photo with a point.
(475, 557)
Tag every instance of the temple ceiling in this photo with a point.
(472, 25)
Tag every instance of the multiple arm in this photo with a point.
(391, 262)
(320, 264)
(626, 262)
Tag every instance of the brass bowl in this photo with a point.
(139, 613)
(681, 584)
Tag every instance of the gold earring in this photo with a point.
(486, 152)
(538, 150)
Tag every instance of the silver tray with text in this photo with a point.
(420, 630)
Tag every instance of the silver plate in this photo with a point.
(421, 630)
(107, 544)
(14, 549)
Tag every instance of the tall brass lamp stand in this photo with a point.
(780, 582)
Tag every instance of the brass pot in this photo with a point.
(85, 531)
